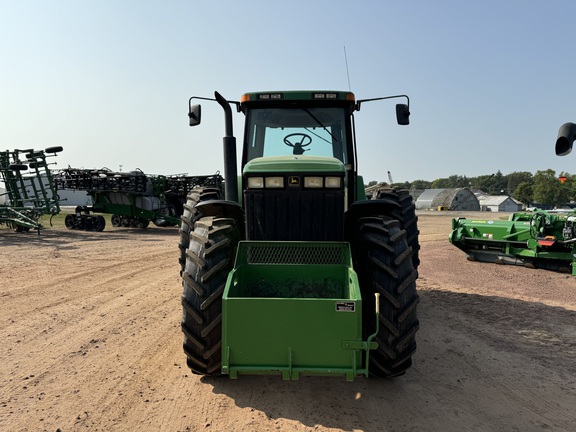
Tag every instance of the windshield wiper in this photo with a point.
(321, 125)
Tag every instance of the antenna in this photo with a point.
(347, 72)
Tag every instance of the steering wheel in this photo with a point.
(298, 147)
(537, 223)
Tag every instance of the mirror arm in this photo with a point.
(358, 103)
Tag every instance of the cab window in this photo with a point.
(296, 131)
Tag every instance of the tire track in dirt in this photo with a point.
(494, 351)
(117, 311)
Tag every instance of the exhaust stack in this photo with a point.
(566, 137)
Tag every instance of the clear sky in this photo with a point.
(490, 82)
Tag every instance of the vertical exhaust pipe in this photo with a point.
(230, 163)
(566, 136)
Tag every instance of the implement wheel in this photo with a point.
(209, 259)
(406, 215)
(116, 220)
(189, 216)
(98, 223)
(383, 262)
(70, 221)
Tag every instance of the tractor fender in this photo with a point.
(221, 208)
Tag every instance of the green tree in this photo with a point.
(516, 178)
(548, 190)
(524, 193)
(493, 184)
(422, 184)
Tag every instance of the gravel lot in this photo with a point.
(91, 341)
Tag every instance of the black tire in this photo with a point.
(382, 260)
(142, 223)
(209, 259)
(189, 216)
(70, 221)
(116, 220)
(406, 215)
(98, 223)
(37, 164)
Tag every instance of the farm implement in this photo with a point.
(293, 271)
(537, 239)
(134, 199)
(30, 189)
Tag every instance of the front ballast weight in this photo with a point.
(276, 320)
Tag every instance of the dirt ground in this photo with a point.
(91, 341)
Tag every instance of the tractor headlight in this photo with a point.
(313, 182)
(255, 182)
(332, 182)
(274, 182)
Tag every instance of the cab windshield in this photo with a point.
(296, 131)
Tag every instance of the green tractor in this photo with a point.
(293, 271)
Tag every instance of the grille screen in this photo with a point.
(316, 215)
(329, 254)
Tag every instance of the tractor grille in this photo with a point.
(303, 215)
(296, 253)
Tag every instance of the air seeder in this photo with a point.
(30, 189)
(293, 271)
(134, 199)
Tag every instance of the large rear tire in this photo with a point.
(209, 259)
(406, 215)
(189, 216)
(383, 261)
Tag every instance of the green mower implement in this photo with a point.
(292, 271)
(30, 191)
(537, 239)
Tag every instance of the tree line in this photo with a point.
(544, 187)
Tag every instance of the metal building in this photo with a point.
(462, 199)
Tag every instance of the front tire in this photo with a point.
(383, 261)
(209, 259)
(406, 215)
(190, 215)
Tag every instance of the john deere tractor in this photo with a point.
(293, 271)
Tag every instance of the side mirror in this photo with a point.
(195, 114)
(402, 114)
(566, 136)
